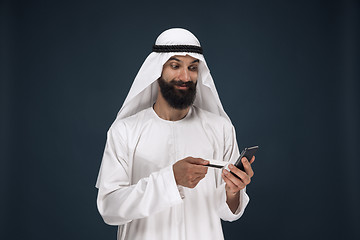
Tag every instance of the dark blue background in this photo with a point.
(287, 73)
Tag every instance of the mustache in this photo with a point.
(182, 83)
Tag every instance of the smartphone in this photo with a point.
(248, 153)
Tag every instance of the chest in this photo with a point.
(161, 145)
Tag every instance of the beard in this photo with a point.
(178, 98)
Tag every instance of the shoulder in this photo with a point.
(212, 118)
(130, 123)
(215, 123)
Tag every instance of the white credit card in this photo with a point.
(216, 164)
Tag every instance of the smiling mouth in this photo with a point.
(183, 86)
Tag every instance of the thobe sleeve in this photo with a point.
(118, 201)
(231, 153)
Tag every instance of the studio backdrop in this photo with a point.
(287, 73)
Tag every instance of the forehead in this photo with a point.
(183, 59)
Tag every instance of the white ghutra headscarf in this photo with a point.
(144, 90)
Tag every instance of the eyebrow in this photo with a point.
(178, 60)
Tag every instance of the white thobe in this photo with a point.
(137, 188)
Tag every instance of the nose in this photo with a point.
(184, 75)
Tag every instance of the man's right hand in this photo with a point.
(189, 171)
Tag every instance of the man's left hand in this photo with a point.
(234, 184)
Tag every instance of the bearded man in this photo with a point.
(155, 181)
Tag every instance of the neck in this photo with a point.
(166, 112)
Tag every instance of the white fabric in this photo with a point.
(144, 89)
(137, 189)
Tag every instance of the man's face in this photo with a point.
(178, 81)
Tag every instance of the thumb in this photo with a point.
(198, 161)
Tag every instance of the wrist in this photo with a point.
(232, 195)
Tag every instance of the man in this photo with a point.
(153, 181)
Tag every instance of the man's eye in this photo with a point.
(193, 68)
(174, 66)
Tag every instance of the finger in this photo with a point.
(197, 161)
(198, 178)
(197, 165)
(228, 181)
(242, 175)
(195, 181)
(252, 160)
(198, 169)
(247, 167)
(234, 183)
